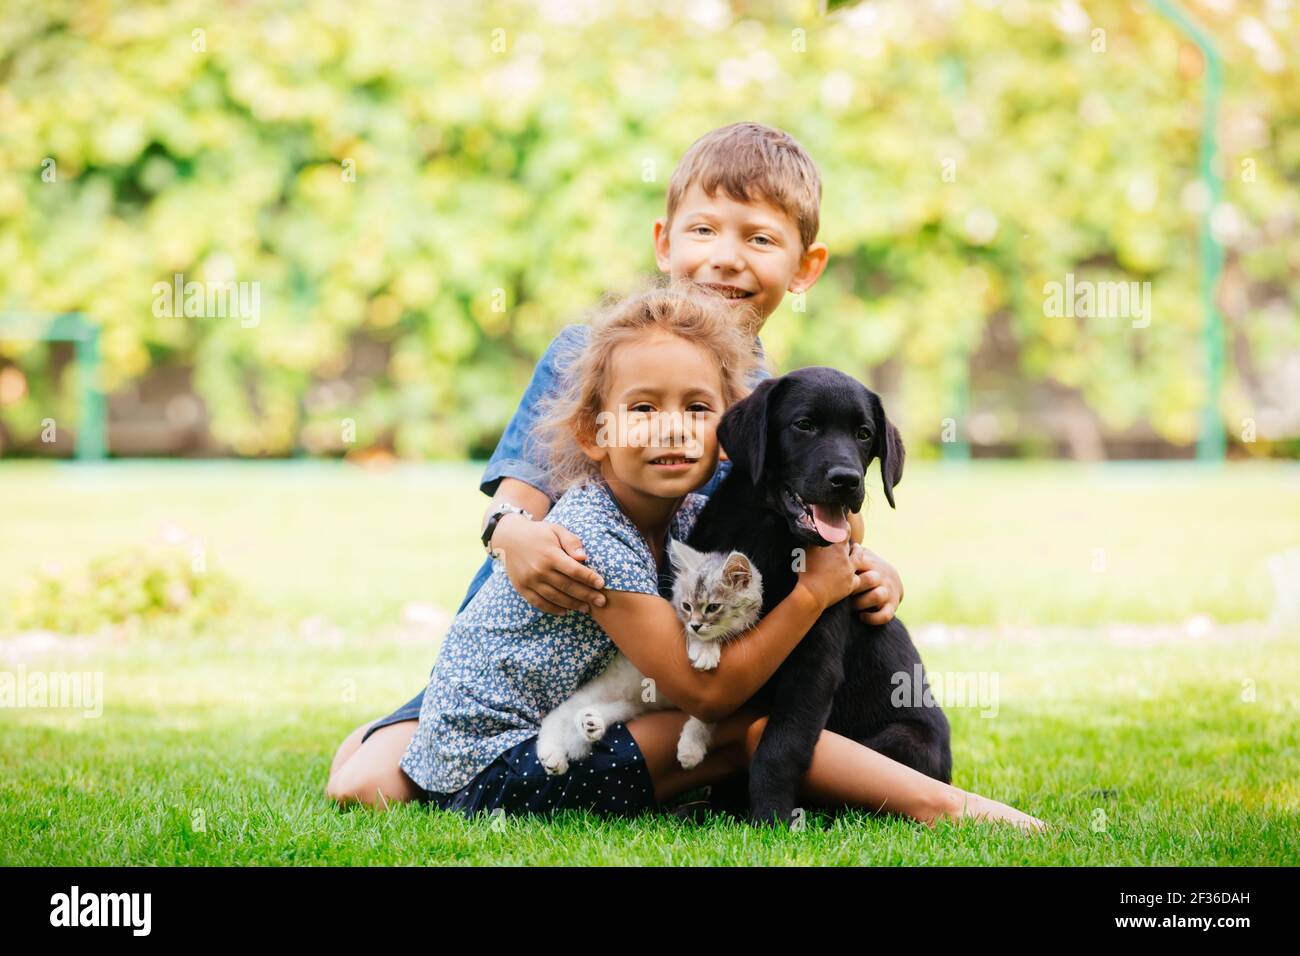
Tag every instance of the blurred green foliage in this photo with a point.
(155, 584)
(427, 192)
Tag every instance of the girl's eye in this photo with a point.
(804, 425)
(641, 407)
(864, 433)
(699, 407)
(711, 609)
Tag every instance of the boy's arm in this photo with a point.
(541, 558)
(517, 455)
(879, 603)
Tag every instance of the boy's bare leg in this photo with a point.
(843, 772)
(370, 773)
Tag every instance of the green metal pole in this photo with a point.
(92, 440)
(92, 429)
(1211, 445)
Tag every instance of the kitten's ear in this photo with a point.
(682, 556)
(738, 572)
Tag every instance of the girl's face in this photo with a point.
(658, 430)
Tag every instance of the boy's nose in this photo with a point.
(726, 255)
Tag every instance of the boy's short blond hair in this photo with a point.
(750, 161)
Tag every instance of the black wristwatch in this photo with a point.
(504, 508)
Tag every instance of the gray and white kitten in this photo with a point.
(717, 596)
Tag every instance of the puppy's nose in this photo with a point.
(845, 479)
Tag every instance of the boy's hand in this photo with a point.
(878, 603)
(541, 560)
(830, 574)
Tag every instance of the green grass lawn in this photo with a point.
(1142, 740)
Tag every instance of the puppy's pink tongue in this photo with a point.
(832, 523)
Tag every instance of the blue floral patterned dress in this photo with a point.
(504, 665)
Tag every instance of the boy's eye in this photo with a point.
(698, 232)
(711, 609)
(767, 241)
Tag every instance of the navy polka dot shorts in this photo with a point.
(612, 781)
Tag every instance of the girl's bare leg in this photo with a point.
(843, 772)
(656, 734)
(368, 772)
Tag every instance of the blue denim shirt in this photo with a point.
(518, 456)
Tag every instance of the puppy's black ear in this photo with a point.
(888, 447)
(743, 429)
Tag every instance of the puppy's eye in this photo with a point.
(864, 433)
(804, 424)
(711, 609)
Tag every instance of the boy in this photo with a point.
(742, 218)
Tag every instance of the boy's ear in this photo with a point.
(661, 246)
(743, 429)
(811, 266)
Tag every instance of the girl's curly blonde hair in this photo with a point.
(688, 311)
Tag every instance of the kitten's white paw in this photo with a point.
(592, 724)
(552, 758)
(705, 656)
(690, 752)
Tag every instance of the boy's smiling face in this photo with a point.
(749, 250)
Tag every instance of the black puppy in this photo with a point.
(799, 447)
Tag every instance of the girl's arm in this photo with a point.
(648, 631)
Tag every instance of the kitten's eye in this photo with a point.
(864, 433)
(686, 605)
(711, 609)
(803, 424)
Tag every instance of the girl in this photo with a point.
(631, 439)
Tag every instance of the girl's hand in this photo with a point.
(541, 560)
(830, 573)
(878, 603)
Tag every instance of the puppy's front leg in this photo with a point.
(800, 708)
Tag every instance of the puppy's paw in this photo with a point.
(771, 815)
(592, 724)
